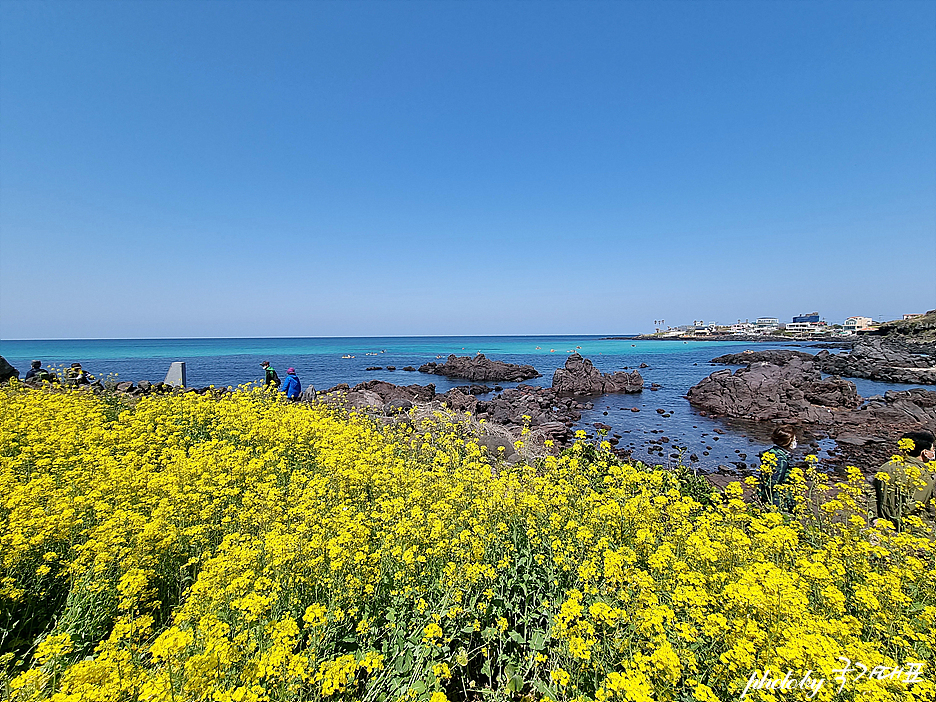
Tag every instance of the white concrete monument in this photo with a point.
(176, 374)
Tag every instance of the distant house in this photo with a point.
(742, 328)
(806, 327)
(911, 316)
(765, 325)
(857, 324)
(806, 318)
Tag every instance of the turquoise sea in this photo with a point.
(675, 365)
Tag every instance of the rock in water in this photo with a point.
(480, 369)
(580, 377)
(794, 391)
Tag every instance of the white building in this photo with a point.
(806, 327)
(741, 328)
(856, 324)
(766, 325)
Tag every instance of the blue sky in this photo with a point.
(367, 168)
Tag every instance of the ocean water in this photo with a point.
(674, 365)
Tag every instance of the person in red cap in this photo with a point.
(291, 386)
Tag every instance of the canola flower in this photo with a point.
(245, 549)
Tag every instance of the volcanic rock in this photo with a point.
(456, 400)
(474, 389)
(580, 377)
(884, 359)
(7, 371)
(775, 356)
(794, 391)
(480, 368)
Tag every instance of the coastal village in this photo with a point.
(809, 324)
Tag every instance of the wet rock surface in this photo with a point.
(480, 368)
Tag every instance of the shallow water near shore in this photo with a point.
(674, 365)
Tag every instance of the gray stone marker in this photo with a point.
(176, 374)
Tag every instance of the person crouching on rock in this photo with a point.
(906, 483)
(76, 375)
(776, 466)
(292, 387)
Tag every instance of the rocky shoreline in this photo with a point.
(551, 412)
(787, 387)
(871, 357)
(784, 385)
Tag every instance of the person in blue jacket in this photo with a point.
(292, 387)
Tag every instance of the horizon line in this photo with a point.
(354, 336)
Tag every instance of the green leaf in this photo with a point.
(543, 689)
(538, 642)
(518, 637)
(515, 684)
(486, 669)
(419, 687)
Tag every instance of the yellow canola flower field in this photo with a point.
(242, 548)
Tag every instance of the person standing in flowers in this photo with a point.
(292, 387)
(271, 379)
(775, 468)
(906, 482)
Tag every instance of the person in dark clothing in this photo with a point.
(38, 372)
(77, 375)
(777, 460)
(292, 387)
(907, 483)
(271, 379)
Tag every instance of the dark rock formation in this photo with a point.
(778, 357)
(580, 377)
(388, 391)
(480, 369)
(378, 394)
(459, 401)
(474, 389)
(868, 437)
(794, 391)
(539, 407)
(7, 371)
(884, 358)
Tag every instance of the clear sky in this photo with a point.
(366, 168)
